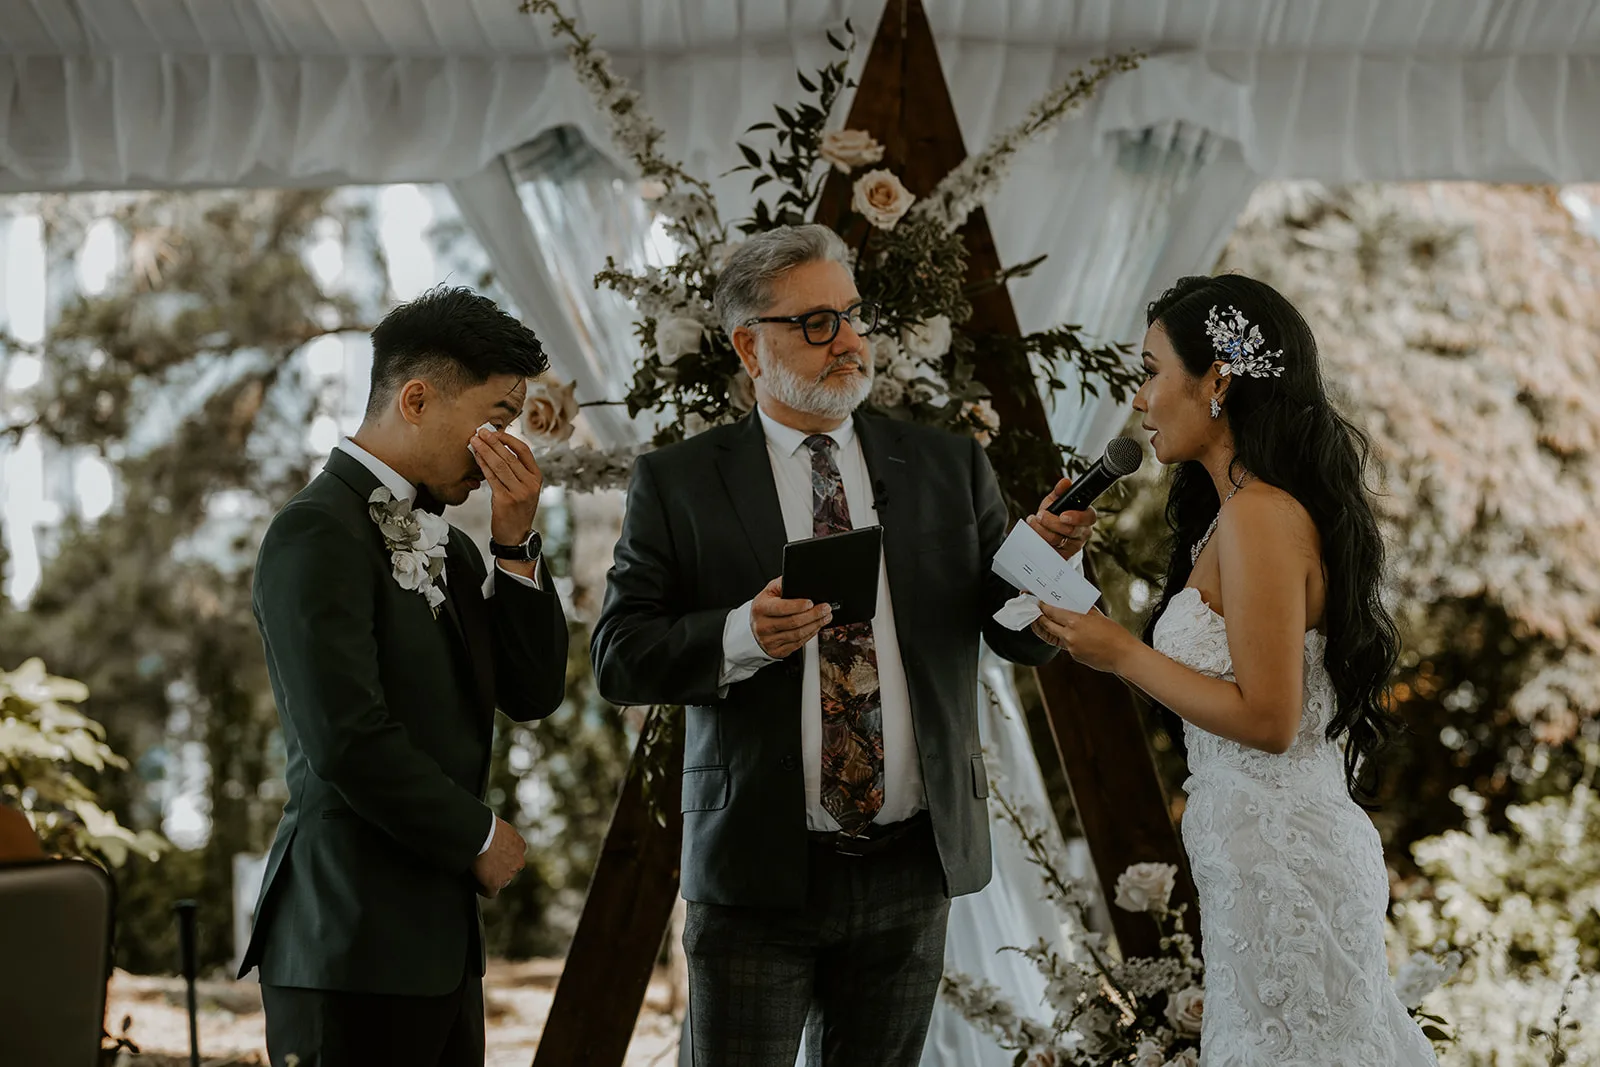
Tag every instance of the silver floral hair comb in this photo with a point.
(1240, 345)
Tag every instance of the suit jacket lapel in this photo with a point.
(889, 466)
(747, 475)
(461, 597)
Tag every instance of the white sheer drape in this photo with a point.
(548, 215)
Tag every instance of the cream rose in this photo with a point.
(677, 337)
(927, 340)
(881, 199)
(548, 411)
(652, 189)
(1186, 1010)
(849, 149)
(1146, 887)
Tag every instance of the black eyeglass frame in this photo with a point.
(838, 316)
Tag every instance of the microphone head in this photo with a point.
(1123, 456)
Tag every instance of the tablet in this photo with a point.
(840, 569)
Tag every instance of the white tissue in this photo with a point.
(1018, 612)
(486, 426)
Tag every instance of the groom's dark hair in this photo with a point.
(454, 338)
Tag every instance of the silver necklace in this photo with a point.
(1194, 553)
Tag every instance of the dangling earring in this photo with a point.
(1216, 408)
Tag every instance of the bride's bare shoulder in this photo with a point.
(1260, 513)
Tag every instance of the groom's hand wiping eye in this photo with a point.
(514, 480)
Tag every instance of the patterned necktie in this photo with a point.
(852, 714)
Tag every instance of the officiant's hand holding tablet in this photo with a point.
(840, 570)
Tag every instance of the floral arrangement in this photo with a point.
(416, 541)
(1104, 1010)
(910, 259)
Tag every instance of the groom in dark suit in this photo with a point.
(389, 647)
(833, 783)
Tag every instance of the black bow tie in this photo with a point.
(426, 501)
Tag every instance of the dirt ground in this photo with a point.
(517, 998)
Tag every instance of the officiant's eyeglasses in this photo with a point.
(822, 326)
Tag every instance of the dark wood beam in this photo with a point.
(625, 915)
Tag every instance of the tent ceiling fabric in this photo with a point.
(228, 92)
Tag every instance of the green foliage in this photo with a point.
(44, 743)
(793, 164)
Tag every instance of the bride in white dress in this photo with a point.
(1270, 642)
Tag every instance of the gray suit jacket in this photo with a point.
(703, 534)
(388, 718)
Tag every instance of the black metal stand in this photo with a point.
(186, 949)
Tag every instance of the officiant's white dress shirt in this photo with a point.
(742, 655)
(405, 491)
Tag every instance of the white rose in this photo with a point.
(1145, 886)
(434, 532)
(849, 149)
(881, 199)
(677, 337)
(1187, 1058)
(1186, 1011)
(1148, 1054)
(887, 392)
(741, 392)
(548, 411)
(411, 570)
(927, 340)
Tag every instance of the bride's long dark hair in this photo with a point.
(1287, 433)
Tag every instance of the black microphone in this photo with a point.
(1122, 457)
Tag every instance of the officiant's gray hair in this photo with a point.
(744, 290)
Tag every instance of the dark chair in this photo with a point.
(56, 919)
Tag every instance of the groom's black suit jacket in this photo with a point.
(388, 718)
(703, 534)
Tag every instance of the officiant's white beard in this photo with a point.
(822, 397)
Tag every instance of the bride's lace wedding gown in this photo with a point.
(1292, 885)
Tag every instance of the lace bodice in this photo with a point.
(1194, 635)
(1291, 881)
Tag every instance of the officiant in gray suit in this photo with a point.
(833, 784)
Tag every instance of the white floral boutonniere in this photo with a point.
(416, 542)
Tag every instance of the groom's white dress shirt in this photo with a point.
(403, 490)
(742, 656)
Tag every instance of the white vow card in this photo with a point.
(1033, 567)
